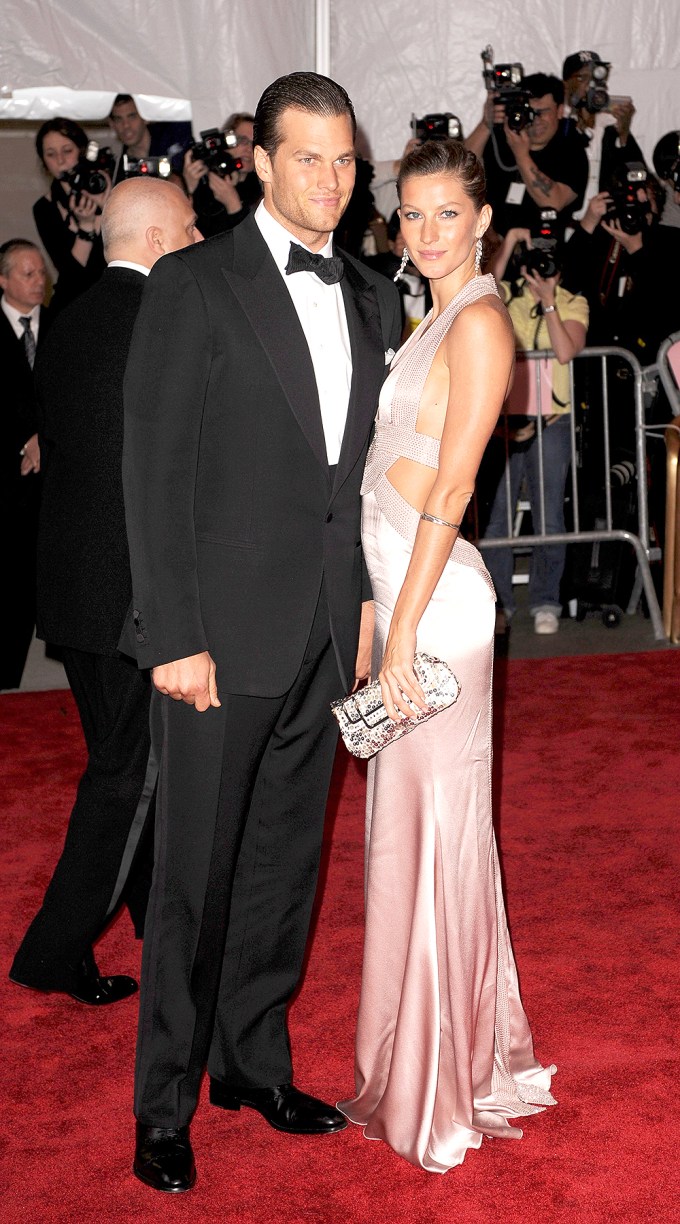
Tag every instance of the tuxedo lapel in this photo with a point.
(368, 365)
(258, 286)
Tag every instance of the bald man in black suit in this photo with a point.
(84, 590)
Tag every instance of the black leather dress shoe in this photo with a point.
(283, 1107)
(89, 988)
(164, 1158)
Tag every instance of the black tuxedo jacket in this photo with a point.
(18, 420)
(84, 585)
(233, 521)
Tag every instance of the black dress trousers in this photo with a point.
(113, 702)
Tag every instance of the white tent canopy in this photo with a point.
(210, 57)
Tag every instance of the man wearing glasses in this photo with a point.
(542, 166)
(220, 203)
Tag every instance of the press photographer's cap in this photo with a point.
(573, 63)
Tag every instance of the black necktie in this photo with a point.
(28, 339)
(329, 269)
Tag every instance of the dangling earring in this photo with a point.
(479, 248)
(404, 260)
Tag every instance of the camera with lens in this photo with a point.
(437, 127)
(625, 207)
(90, 171)
(506, 83)
(215, 149)
(143, 167)
(596, 97)
(544, 258)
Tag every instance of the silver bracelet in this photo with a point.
(549, 309)
(431, 518)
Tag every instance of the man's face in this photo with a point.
(546, 123)
(576, 86)
(309, 180)
(127, 123)
(24, 284)
(244, 146)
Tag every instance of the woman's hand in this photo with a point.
(85, 212)
(224, 190)
(542, 288)
(597, 207)
(630, 242)
(192, 171)
(397, 677)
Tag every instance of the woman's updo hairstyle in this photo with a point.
(446, 157)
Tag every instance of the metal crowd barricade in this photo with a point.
(640, 540)
(667, 369)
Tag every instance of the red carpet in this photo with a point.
(589, 778)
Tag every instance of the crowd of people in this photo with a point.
(288, 308)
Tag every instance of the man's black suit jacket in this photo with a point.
(233, 522)
(18, 421)
(84, 586)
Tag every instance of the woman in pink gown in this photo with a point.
(444, 1053)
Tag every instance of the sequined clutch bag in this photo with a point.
(364, 722)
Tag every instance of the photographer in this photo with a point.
(541, 165)
(141, 139)
(619, 256)
(544, 316)
(68, 219)
(222, 200)
(602, 120)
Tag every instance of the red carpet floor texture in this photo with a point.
(588, 778)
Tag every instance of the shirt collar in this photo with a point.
(278, 238)
(14, 315)
(127, 263)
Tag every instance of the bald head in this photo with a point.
(145, 218)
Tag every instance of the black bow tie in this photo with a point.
(329, 269)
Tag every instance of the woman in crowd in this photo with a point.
(68, 221)
(443, 1051)
(544, 316)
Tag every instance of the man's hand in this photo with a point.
(362, 669)
(192, 680)
(30, 456)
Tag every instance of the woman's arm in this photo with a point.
(501, 257)
(479, 352)
(566, 338)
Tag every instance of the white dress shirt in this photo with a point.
(126, 263)
(321, 311)
(14, 315)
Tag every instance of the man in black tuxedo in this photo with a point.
(250, 393)
(23, 325)
(84, 592)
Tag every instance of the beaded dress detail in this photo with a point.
(444, 1053)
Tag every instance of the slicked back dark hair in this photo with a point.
(122, 100)
(65, 127)
(539, 84)
(303, 91)
(446, 157)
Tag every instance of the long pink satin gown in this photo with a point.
(444, 1053)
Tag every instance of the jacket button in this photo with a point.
(140, 637)
(329, 517)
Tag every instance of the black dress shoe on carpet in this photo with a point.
(164, 1158)
(283, 1107)
(89, 988)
